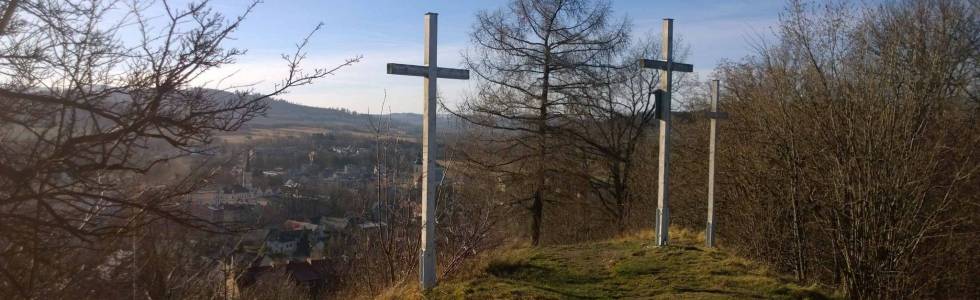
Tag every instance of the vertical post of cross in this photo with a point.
(431, 72)
(713, 116)
(663, 181)
(667, 67)
(709, 237)
(427, 260)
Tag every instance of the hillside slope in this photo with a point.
(624, 268)
(285, 112)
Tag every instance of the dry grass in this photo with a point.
(259, 134)
(626, 267)
(403, 290)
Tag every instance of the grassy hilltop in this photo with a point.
(629, 267)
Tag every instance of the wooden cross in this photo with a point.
(430, 72)
(713, 115)
(668, 66)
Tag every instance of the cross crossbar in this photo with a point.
(414, 70)
(659, 64)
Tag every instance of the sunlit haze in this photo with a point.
(391, 31)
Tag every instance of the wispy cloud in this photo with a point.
(391, 32)
(360, 87)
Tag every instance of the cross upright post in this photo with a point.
(427, 270)
(668, 66)
(713, 116)
(430, 72)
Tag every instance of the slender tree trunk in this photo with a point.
(799, 240)
(8, 14)
(538, 205)
(619, 192)
(536, 209)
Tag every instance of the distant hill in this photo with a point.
(283, 113)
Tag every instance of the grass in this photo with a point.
(630, 267)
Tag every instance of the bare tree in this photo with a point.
(609, 122)
(395, 246)
(855, 160)
(93, 103)
(526, 57)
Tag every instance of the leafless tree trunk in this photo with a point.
(526, 57)
(8, 14)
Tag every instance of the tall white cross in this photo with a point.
(713, 115)
(669, 66)
(430, 71)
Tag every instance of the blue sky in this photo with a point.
(391, 31)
